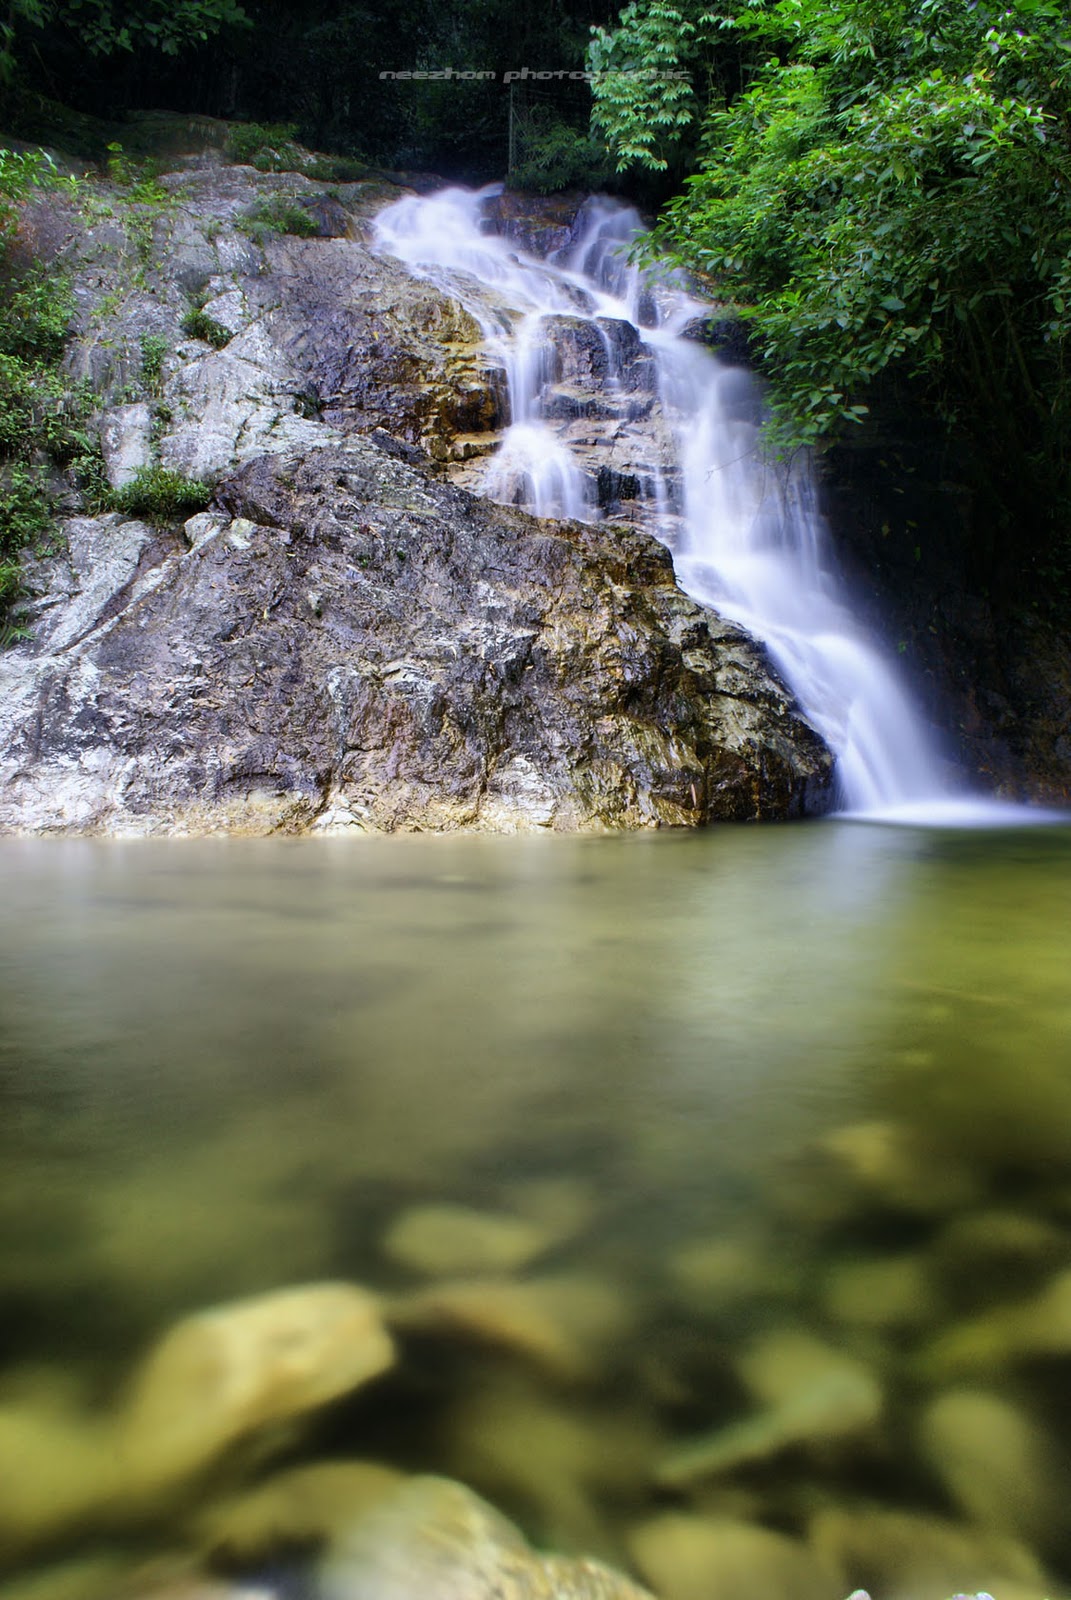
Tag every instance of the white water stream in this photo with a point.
(747, 539)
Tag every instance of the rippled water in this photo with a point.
(814, 1077)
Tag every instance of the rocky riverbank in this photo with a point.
(343, 638)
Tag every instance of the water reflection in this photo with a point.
(785, 1111)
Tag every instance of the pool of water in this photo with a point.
(773, 1124)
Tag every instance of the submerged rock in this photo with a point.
(223, 1375)
(446, 1240)
(58, 1472)
(687, 1557)
(994, 1462)
(560, 1459)
(901, 1554)
(893, 1164)
(363, 646)
(564, 1325)
(882, 1292)
(813, 1395)
(436, 1540)
(305, 1506)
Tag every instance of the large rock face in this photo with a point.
(346, 638)
(352, 642)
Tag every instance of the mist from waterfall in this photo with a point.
(746, 534)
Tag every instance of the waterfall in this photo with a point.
(606, 394)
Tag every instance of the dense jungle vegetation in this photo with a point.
(880, 187)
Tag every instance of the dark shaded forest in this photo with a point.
(317, 67)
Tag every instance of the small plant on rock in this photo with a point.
(154, 348)
(160, 495)
(268, 146)
(199, 325)
(139, 178)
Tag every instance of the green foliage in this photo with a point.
(199, 325)
(139, 178)
(104, 27)
(25, 513)
(277, 215)
(22, 171)
(643, 96)
(161, 495)
(887, 198)
(35, 315)
(41, 413)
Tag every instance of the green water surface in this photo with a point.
(230, 1066)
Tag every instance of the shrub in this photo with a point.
(278, 215)
(35, 317)
(25, 516)
(21, 171)
(160, 495)
(269, 146)
(199, 325)
(337, 169)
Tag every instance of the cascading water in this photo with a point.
(603, 391)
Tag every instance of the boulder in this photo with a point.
(362, 646)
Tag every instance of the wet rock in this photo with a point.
(564, 1324)
(994, 1462)
(304, 1507)
(437, 1540)
(813, 1395)
(697, 1558)
(537, 223)
(463, 667)
(230, 1372)
(898, 1553)
(126, 440)
(332, 219)
(450, 1240)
